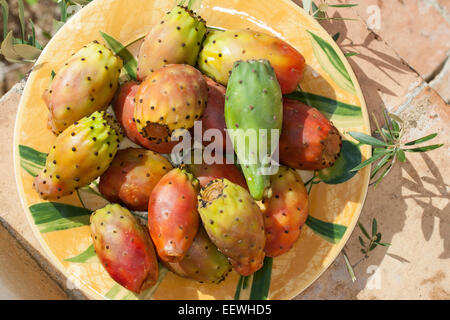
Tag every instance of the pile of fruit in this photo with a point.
(203, 219)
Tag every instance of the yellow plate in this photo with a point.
(328, 74)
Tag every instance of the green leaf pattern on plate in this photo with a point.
(331, 63)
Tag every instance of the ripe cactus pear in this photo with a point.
(253, 104)
(234, 223)
(172, 214)
(222, 48)
(203, 261)
(176, 39)
(169, 100)
(309, 141)
(205, 173)
(286, 210)
(79, 155)
(124, 110)
(213, 116)
(124, 248)
(132, 176)
(86, 83)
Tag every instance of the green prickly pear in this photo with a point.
(222, 48)
(79, 155)
(253, 109)
(176, 39)
(86, 83)
(285, 211)
(171, 99)
(234, 223)
(131, 177)
(203, 262)
(173, 218)
(124, 248)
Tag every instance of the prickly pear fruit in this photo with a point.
(124, 110)
(205, 173)
(309, 141)
(169, 100)
(222, 48)
(124, 248)
(203, 261)
(86, 83)
(253, 109)
(132, 176)
(79, 155)
(234, 223)
(213, 116)
(172, 214)
(176, 39)
(286, 210)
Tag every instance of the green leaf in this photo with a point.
(424, 149)
(32, 2)
(331, 63)
(33, 34)
(27, 52)
(384, 174)
(361, 241)
(237, 293)
(369, 161)
(261, 281)
(329, 231)
(401, 155)
(364, 231)
(341, 170)
(374, 227)
(366, 139)
(7, 49)
(53, 74)
(85, 256)
(351, 54)
(340, 113)
(423, 139)
(129, 61)
(21, 18)
(54, 216)
(383, 244)
(5, 14)
(63, 6)
(349, 268)
(32, 155)
(336, 36)
(57, 25)
(381, 164)
(342, 5)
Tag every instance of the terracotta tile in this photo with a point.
(415, 29)
(441, 83)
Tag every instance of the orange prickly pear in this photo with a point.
(132, 176)
(176, 39)
(86, 83)
(285, 211)
(308, 141)
(124, 110)
(173, 218)
(203, 261)
(170, 100)
(79, 155)
(234, 223)
(124, 248)
(221, 49)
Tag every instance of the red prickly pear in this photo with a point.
(79, 155)
(124, 110)
(176, 39)
(170, 100)
(203, 261)
(234, 223)
(221, 49)
(173, 218)
(86, 83)
(132, 176)
(308, 141)
(286, 210)
(124, 248)
(206, 173)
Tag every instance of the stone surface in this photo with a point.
(411, 206)
(418, 30)
(441, 83)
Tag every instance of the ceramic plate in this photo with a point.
(62, 228)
